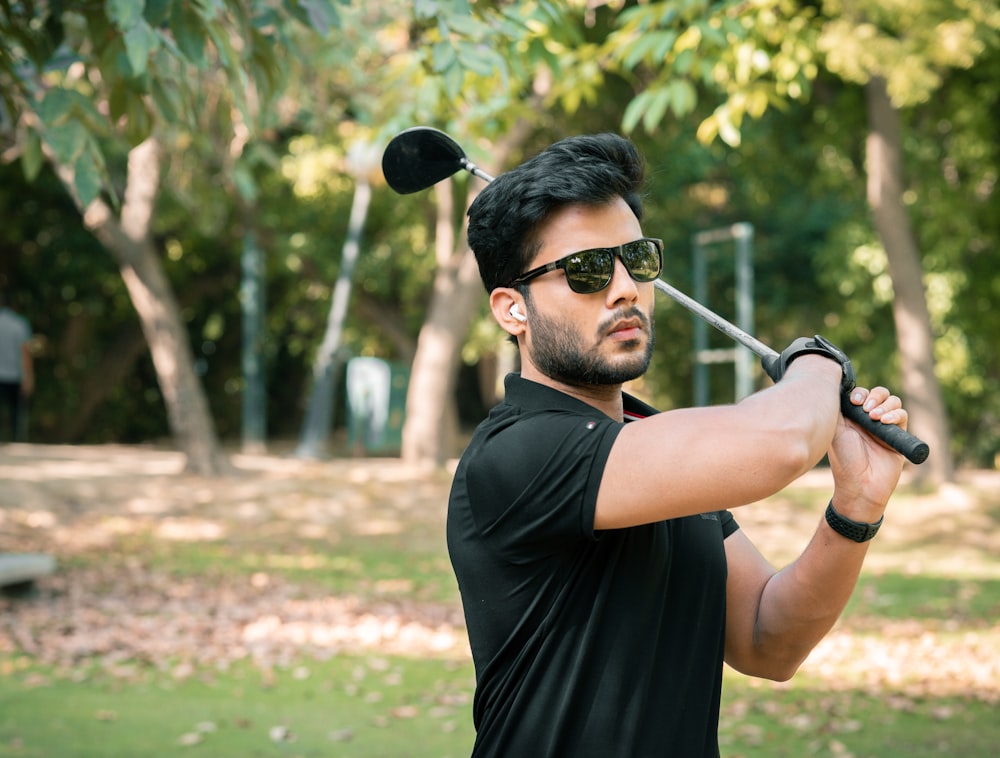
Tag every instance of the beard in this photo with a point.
(558, 351)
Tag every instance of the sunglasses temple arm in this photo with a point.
(908, 445)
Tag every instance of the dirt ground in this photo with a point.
(79, 502)
(75, 502)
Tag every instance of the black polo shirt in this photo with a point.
(585, 643)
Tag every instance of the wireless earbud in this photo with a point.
(516, 313)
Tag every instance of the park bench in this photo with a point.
(19, 570)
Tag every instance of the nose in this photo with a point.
(623, 288)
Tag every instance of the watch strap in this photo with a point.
(859, 531)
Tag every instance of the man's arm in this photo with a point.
(775, 618)
(696, 460)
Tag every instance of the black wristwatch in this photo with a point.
(859, 531)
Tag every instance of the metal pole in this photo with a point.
(744, 307)
(254, 427)
(701, 379)
(742, 358)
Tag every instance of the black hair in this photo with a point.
(503, 219)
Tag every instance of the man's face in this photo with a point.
(603, 338)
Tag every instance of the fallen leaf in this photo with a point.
(405, 712)
(342, 735)
(281, 734)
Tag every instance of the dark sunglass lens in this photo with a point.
(589, 271)
(642, 259)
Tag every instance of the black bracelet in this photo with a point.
(859, 531)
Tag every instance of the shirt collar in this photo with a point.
(530, 395)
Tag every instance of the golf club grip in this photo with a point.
(910, 447)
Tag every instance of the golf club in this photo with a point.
(420, 157)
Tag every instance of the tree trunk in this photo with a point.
(319, 411)
(431, 419)
(129, 241)
(431, 415)
(920, 387)
(253, 308)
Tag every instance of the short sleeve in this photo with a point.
(542, 488)
(729, 524)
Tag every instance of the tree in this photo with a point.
(490, 72)
(82, 85)
(319, 411)
(758, 56)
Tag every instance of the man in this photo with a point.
(17, 376)
(604, 580)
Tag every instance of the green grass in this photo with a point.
(368, 706)
(930, 598)
(349, 705)
(762, 720)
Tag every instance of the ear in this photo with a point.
(502, 299)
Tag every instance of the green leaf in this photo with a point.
(649, 107)
(125, 14)
(118, 100)
(168, 99)
(31, 155)
(684, 61)
(55, 106)
(86, 178)
(425, 9)
(168, 43)
(66, 139)
(189, 33)
(156, 12)
(634, 111)
(138, 121)
(444, 57)
(656, 109)
(220, 38)
(655, 46)
(479, 59)
(712, 34)
(140, 41)
(467, 26)
(323, 16)
(85, 110)
(245, 184)
(683, 96)
(454, 77)
(212, 9)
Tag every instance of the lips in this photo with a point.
(628, 329)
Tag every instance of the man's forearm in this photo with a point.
(801, 603)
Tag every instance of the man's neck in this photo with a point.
(607, 398)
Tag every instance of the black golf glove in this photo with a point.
(777, 366)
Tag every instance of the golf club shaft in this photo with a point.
(730, 330)
(473, 169)
(912, 448)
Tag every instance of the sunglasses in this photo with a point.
(589, 271)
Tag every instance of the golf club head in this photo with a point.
(420, 157)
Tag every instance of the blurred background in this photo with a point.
(196, 226)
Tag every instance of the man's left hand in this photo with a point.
(865, 472)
